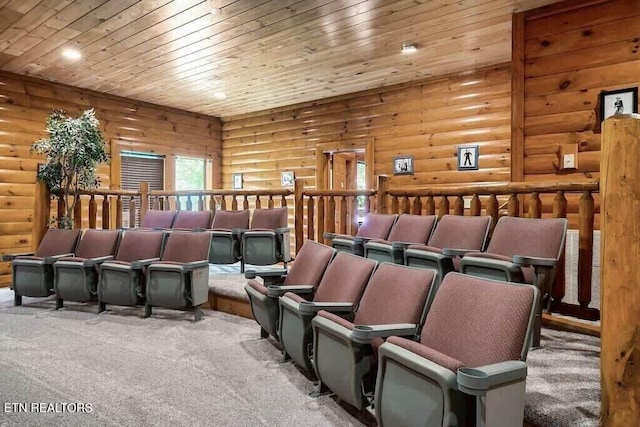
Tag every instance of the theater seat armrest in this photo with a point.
(92, 262)
(138, 264)
(238, 231)
(310, 307)
(366, 333)
(278, 291)
(252, 274)
(359, 240)
(452, 252)
(328, 235)
(54, 258)
(400, 246)
(478, 381)
(195, 264)
(11, 257)
(526, 261)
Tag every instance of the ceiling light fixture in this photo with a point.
(219, 95)
(409, 47)
(71, 54)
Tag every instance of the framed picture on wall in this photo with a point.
(468, 157)
(403, 165)
(287, 178)
(237, 181)
(621, 101)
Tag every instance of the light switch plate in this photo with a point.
(569, 161)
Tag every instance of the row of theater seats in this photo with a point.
(520, 249)
(134, 267)
(267, 243)
(421, 352)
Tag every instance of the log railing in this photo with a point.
(521, 199)
(319, 211)
(330, 211)
(323, 210)
(217, 199)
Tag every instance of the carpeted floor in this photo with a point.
(168, 370)
(162, 371)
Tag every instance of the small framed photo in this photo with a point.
(621, 101)
(287, 178)
(237, 181)
(468, 157)
(403, 165)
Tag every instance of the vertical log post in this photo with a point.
(77, 214)
(475, 208)
(93, 212)
(620, 271)
(311, 232)
(330, 219)
(119, 212)
(343, 216)
(416, 206)
(383, 188)
(493, 210)
(443, 208)
(144, 199)
(321, 221)
(106, 208)
(132, 212)
(41, 212)
(431, 206)
(298, 212)
(458, 206)
(558, 287)
(585, 248)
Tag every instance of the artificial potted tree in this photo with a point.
(73, 150)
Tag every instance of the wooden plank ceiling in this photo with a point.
(260, 53)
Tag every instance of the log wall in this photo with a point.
(25, 104)
(426, 119)
(572, 52)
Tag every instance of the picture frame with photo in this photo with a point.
(287, 179)
(468, 157)
(620, 101)
(237, 181)
(403, 165)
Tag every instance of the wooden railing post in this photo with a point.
(585, 248)
(41, 212)
(77, 214)
(620, 270)
(93, 212)
(298, 212)
(106, 223)
(383, 189)
(144, 200)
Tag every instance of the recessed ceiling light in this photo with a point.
(409, 47)
(219, 95)
(71, 54)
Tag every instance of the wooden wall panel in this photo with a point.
(571, 57)
(426, 119)
(25, 104)
(572, 54)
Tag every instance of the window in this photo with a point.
(190, 175)
(139, 167)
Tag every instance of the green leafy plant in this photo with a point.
(74, 149)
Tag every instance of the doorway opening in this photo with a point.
(346, 166)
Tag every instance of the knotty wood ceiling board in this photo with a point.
(261, 54)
